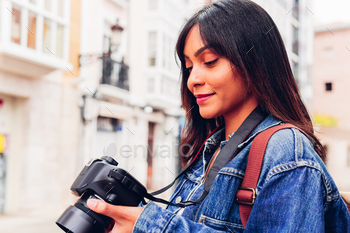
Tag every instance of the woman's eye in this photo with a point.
(209, 63)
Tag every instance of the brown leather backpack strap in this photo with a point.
(247, 192)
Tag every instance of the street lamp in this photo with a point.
(114, 41)
(114, 73)
(116, 38)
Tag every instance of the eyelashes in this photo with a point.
(208, 64)
(211, 63)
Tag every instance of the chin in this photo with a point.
(207, 114)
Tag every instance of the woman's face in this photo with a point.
(213, 80)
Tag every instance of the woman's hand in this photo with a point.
(124, 217)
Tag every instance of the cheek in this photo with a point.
(231, 89)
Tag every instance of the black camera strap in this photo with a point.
(224, 156)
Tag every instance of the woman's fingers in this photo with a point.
(124, 217)
(100, 207)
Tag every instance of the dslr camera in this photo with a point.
(100, 179)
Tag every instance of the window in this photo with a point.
(48, 16)
(152, 48)
(328, 86)
(107, 124)
(295, 40)
(59, 45)
(46, 36)
(16, 25)
(31, 30)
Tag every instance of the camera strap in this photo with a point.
(224, 156)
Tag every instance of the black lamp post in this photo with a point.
(116, 38)
(114, 41)
(120, 79)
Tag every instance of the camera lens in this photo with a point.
(80, 219)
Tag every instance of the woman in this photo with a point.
(233, 60)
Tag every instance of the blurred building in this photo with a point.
(332, 98)
(39, 109)
(130, 85)
(39, 115)
(83, 79)
(294, 21)
(79, 80)
(155, 84)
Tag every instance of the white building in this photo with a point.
(38, 108)
(57, 115)
(141, 114)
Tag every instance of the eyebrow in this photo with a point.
(199, 51)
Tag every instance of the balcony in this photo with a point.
(29, 63)
(33, 41)
(115, 73)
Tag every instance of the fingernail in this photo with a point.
(91, 203)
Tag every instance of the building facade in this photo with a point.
(130, 91)
(69, 92)
(83, 79)
(294, 20)
(39, 115)
(331, 98)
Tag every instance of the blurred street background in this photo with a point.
(80, 79)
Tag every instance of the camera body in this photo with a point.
(100, 179)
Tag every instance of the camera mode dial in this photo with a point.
(110, 160)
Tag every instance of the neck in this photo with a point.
(234, 119)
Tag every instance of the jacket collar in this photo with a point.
(267, 123)
(219, 136)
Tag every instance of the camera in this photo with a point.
(100, 179)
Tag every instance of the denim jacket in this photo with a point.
(295, 192)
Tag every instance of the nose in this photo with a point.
(195, 79)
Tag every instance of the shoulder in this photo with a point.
(289, 151)
(291, 145)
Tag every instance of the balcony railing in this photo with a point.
(115, 73)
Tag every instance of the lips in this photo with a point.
(201, 98)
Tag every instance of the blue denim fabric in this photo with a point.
(295, 192)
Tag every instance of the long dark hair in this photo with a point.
(243, 32)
